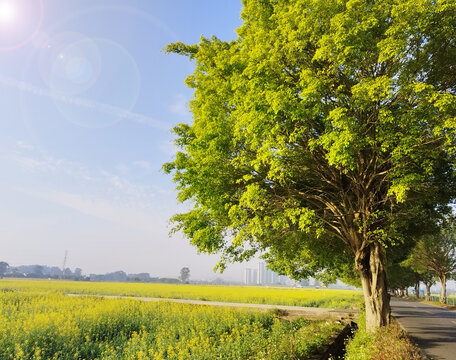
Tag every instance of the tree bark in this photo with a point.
(428, 292)
(442, 279)
(406, 291)
(417, 289)
(370, 264)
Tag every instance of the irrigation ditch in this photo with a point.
(336, 349)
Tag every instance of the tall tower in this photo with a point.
(65, 258)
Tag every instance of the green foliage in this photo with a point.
(324, 127)
(437, 252)
(400, 276)
(360, 346)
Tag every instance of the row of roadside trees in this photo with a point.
(432, 259)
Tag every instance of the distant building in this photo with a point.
(250, 276)
(260, 273)
(263, 276)
(247, 275)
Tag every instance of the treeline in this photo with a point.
(39, 272)
(432, 259)
(122, 276)
(54, 272)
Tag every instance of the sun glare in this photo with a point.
(7, 11)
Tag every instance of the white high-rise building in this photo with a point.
(250, 276)
(260, 273)
(275, 278)
(247, 276)
(263, 276)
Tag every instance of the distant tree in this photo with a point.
(424, 274)
(400, 278)
(437, 253)
(184, 274)
(67, 273)
(428, 279)
(38, 271)
(4, 266)
(78, 272)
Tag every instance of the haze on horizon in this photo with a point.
(88, 99)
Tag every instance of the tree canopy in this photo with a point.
(184, 274)
(4, 266)
(318, 134)
(437, 253)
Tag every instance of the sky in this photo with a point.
(87, 102)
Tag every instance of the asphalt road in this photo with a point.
(432, 328)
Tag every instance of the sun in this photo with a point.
(7, 12)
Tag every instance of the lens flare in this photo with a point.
(20, 21)
(7, 12)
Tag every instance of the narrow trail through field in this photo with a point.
(289, 311)
(433, 328)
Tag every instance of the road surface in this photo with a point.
(432, 328)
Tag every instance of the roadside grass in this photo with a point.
(429, 302)
(324, 298)
(387, 343)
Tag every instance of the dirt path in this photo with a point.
(288, 311)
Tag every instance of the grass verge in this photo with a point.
(435, 303)
(389, 342)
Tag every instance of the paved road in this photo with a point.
(433, 328)
(307, 312)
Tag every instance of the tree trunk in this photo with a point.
(370, 265)
(428, 292)
(443, 293)
(401, 291)
(406, 291)
(417, 289)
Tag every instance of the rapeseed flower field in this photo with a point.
(38, 323)
(326, 298)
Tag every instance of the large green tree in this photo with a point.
(317, 132)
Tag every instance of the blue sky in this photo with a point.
(87, 101)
